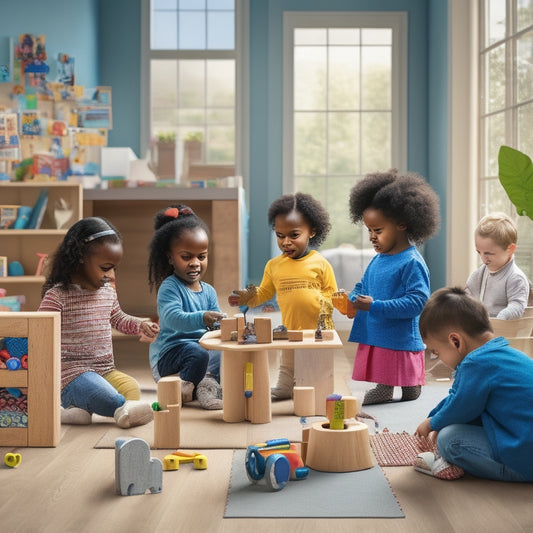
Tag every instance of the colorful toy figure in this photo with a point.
(273, 463)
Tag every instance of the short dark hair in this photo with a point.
(451, 308)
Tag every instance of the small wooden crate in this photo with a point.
(42, 378)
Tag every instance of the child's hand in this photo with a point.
(210, 317)
(149, 331)
(343, 304)
(363, 302)
(242, 297)
(424, 429)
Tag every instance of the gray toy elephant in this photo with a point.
(135, 471)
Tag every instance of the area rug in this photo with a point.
(399, 449)
(201, 429)
(363, 494)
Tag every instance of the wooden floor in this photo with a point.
(71, 489)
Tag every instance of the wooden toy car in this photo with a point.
(173, 461)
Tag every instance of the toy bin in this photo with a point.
(39, 383)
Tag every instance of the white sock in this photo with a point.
(133, 413)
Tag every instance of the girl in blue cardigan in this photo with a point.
(186, 305)
(399, 212)
(483, 426)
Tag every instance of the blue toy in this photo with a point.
(273, 463)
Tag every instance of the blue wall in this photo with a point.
(438, 132)
(119, 61)
(69, 27)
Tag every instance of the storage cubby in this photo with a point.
(41, 379)
(22, 245)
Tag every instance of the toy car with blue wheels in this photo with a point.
(274, 463)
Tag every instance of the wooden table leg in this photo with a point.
(233, 386)
(314, 368)
(259, 406)
(236, 407)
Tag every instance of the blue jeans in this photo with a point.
(92, 392)
(191, 361)
(467, 446)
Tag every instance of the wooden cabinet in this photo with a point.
(22, 245)
(41, 380)
(132, 211)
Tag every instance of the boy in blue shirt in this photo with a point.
(484, 426)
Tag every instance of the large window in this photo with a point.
(193, 73)
(344, 106)
(506, 106)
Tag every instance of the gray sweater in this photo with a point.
(506, 292)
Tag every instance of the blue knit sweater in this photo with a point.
(181, 315)
(399, 286)
(494, 386)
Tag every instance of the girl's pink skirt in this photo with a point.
(389, 367)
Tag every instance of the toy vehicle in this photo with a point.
(273, 463)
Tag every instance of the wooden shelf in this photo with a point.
(22, 245)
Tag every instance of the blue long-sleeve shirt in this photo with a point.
(493, 386)
(181, 315)
(399, 286)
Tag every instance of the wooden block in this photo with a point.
(263, 329)
(135, 471)
(335, 413)
(169, 391)
(227, 325)
(351, 406)
(328, 334)
(295, 335)
(167, 427)
(304, 401)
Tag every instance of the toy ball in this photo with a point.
(13, 363)
(15, 269)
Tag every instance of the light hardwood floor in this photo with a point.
(71, 489)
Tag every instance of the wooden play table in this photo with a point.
(313, 367)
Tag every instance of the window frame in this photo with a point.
(240, 55)
(397, 21)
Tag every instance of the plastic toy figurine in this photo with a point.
(173, 461)
(273, 463)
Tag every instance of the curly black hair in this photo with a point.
(169, 225)
(405, 198)
(77, 244)
(311, 209)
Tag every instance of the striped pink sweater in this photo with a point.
(86, 321)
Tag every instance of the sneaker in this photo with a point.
(428, 463)
(209, 394)
(75, 416)
(187, 389)
(133, 413)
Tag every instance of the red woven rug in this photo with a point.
(399, 449)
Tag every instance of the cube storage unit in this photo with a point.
(41, 379)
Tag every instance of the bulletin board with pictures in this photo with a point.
(49, 128)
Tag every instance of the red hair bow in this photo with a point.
(172, 212)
